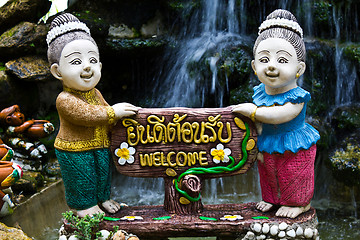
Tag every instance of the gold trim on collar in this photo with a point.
(89, 96)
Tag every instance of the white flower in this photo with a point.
(125, 154)
(231, 217)
(220, 154)
(131, 218)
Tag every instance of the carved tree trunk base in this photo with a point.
(174, 201)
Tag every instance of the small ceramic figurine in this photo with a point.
(287, 143)
(24, 135)
(82, 143)
(9, 173)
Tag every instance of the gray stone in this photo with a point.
(154, 27)
(121, 31)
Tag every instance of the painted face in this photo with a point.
(16, 119)
(79, 66)
(276, 65)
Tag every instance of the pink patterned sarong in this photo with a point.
(288, 178)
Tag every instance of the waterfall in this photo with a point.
(346, 75)
(181, 82)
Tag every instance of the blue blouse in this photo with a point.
(290, 136)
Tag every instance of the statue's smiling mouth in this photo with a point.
(86, 76)
(272, 74)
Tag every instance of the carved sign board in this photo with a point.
(163, 142)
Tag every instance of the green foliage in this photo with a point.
(86, 228)
(2, 66)
(346, 164)
(347, 119)
(352, 51)
(322, 11)
(241, 94)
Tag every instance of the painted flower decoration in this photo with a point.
(125, 154)
(131, 218)
(220, 154)
(231, 217)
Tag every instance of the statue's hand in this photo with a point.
(245, 109)
(124, 110)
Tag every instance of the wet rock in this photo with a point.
(12, 233)
(32, 68)
(24, 38)
(15, 11)
(135, 44)
(29, 183)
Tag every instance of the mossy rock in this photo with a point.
(346, 163)
(352, 51)
(24, 38)
(29, 183)
(346, 119)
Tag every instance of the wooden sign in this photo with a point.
(166, 142)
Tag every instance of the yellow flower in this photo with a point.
(131, 218)
(231, 217)
(220, 154)
(125, 154)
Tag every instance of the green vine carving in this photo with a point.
(215, 170)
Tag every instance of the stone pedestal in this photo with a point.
(158, 224)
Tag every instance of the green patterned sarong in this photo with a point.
(86, 176)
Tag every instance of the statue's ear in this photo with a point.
(253, 65)
(54, 69)
(301, 68)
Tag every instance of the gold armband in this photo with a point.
(252, 116)
(111, 115)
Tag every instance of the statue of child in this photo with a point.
(82, 144)
(287, 143)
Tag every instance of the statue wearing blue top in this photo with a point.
(287, 144)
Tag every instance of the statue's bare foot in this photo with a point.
(264, 206)
(89, 211)
(111, 206)
(291, 212)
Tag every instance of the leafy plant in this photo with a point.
(85, 228)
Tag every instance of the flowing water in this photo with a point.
(221, 24)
